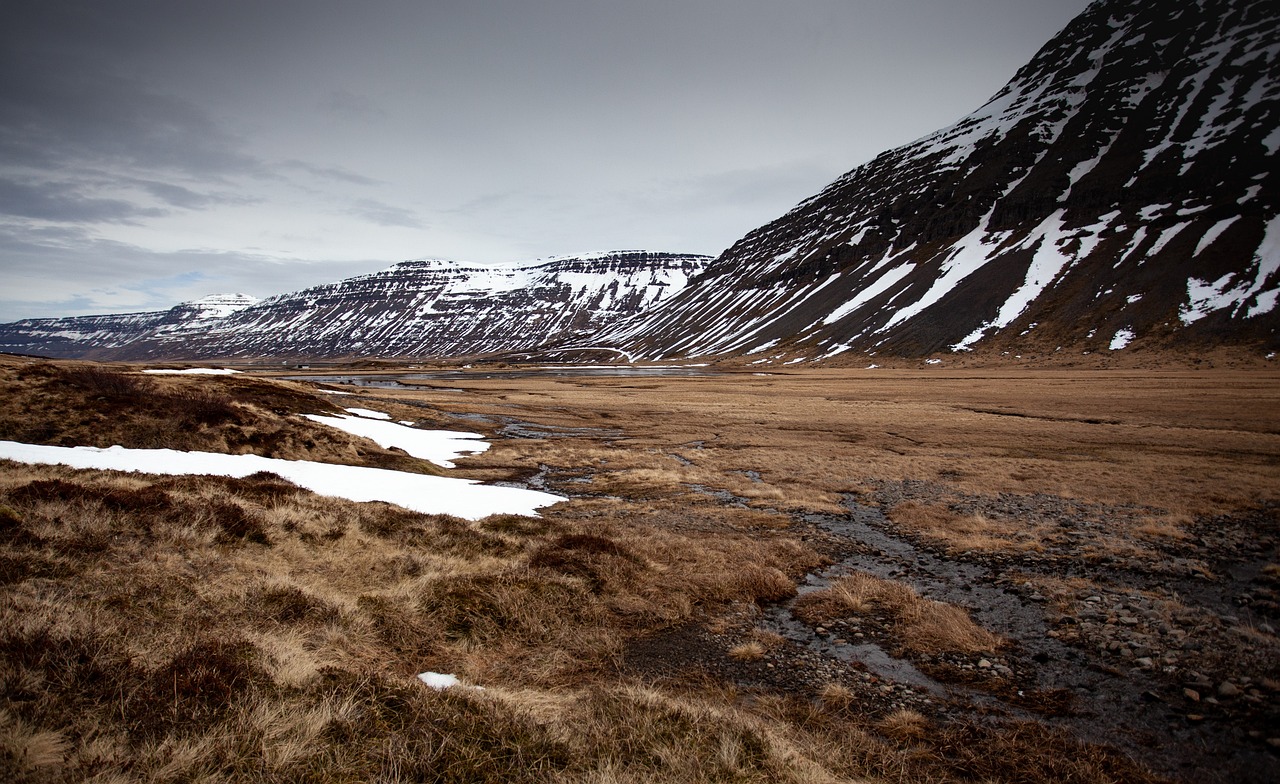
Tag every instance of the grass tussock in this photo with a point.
(94, 405)
(966, 532)
(919, 625)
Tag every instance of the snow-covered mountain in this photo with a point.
(81, 336)
(1120, 191)
(429, 308)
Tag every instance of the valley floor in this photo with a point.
(825, 575)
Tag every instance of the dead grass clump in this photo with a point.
(964, 532)
(521, 606)
(836, 696)
(147, 499)
(25, 749)
(517, 525)
(921, 625)
(643, 734)
(264, 488)
(56, 680)
(904, 724)
(389, 729)
(762, 584)
(410, 634)
(289, 605)
(387, 521)
(748, 651)
(237, 524)
(1025, 752)
(99, 382)
(596, 559)
(198, 687)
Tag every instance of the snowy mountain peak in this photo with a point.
(419, 308)
(1121, 184)
(220, 305)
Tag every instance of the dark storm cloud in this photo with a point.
(178, 196)
(69, 111)
(110, 276)
(384, 214)
(60, 202)
(330, 173)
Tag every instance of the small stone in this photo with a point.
(1266, 628)
(1128, 620)
(1273, 743)
(1191, 694)
(984, 664)
(1144, 662)
(1228, 689)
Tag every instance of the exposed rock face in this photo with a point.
(414, 309)
(1120, 191)
(85, 336)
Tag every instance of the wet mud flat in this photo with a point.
(1172, 661)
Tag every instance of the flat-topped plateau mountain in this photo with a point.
(429, 308)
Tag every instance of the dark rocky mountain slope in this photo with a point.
(1121, 191)
(414, 309)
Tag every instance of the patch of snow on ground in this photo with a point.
(438, 446)
(194, 372)
(438, 680)
(463, 498)
(367, 413)
(331, 392)
(1121, 339)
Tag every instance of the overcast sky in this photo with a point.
(155, 151)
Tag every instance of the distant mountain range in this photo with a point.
(1120, 193)
(430, 308)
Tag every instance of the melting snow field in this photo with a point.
(194, 372)
(438, 446)
(428, 494)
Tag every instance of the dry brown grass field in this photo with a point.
(1021, 576)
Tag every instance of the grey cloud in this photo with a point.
(180, 196)
(81, 114)
(330, 173)
(384, 214)
(66, 271)
(61, 203)
(345, 103)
